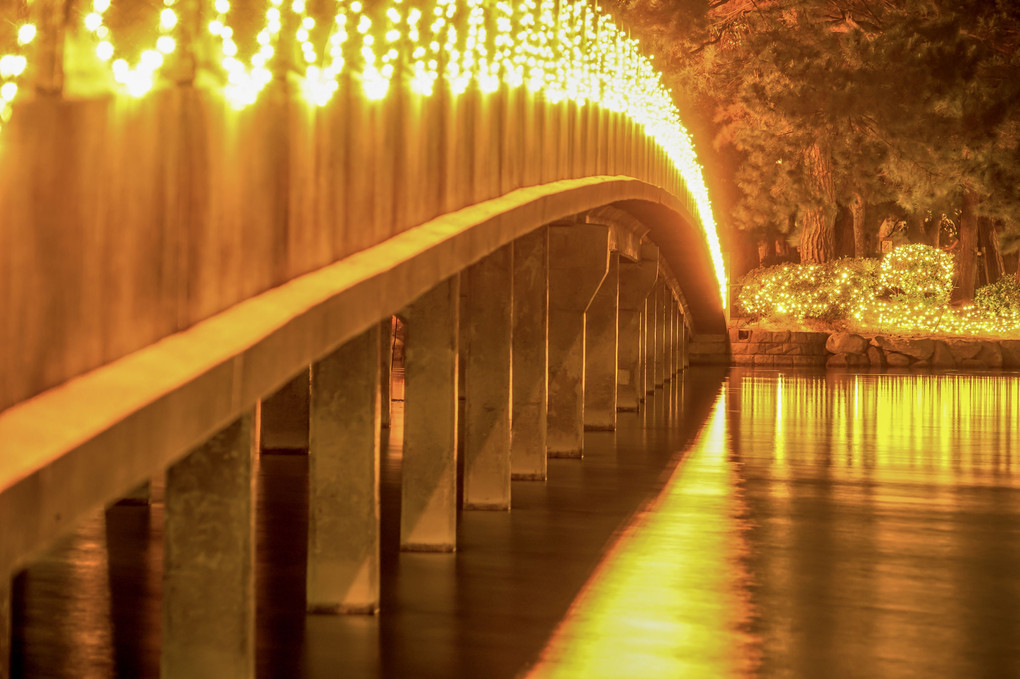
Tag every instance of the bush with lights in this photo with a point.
(908, 291)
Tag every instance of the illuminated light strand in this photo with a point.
(321, 74)
(565, 50)
(12, 66)
(139, 78)
(244, 83)
(921, 276)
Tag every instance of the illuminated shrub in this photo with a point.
(825, 291)
(1002, 297)
(908, 291)
(918, 274)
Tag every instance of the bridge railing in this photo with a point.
(149, 183)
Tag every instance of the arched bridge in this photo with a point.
(200, 201)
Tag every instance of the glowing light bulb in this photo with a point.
(166, 44)
(104, 50)
(167, 19)
(26, 33)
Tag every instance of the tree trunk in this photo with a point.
(995, 268)
(816, 236)
(915, 228)
(860, 236)
(967, 259)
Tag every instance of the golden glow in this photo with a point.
(139, 79)
(919, 277)
(665, 601)
(12, 67)
(566, 51)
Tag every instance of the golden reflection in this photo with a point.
(822, 525)
(667, 601)
(904, 424)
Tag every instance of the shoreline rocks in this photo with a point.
(749, 346)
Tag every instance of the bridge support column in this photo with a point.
(659, 355)
(487, 382)
(601, 343)
(667, 342)
(208, 563)
(648, 335)
(530, 357)
(284, 418)
(385, 370)
(6, 627)
(677, 338)
(428, 518)
(685, 339)
(636, 281)
(343, 479)
(578, 261)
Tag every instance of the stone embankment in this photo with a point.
(765, 348)
(850, 350)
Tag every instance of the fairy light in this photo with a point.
(563, 49)
(13, 65)
(908, 293)
(245, 83)
(139, 78)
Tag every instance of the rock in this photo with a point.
(1010, 353)
(836, 361)
(876, 357)
(973, 364)
(761, 336)
(846, 343)
(846, 361)
(908, 346)
(964, 349)
(943, 357)
(897, 360)
(781, 336)
(923, 364)
(990, 354)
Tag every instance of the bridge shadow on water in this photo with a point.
(90, 607)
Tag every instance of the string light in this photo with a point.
(561, 49)
(908, 293)
(139, 78)
(13, 65)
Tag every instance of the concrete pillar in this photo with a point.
(208, 562)
(385, 370)
(667, 351)
(530, 357)
(428, 518)
(487, 382)
(639, 379)
(659, 306)
(6, 627)
(685, 340)
(343, 479)
(284, 418)
(578, 261)
(601, 344)
(677, 339)
(636, 281)
(648, 358)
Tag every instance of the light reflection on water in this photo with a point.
(822, 525)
